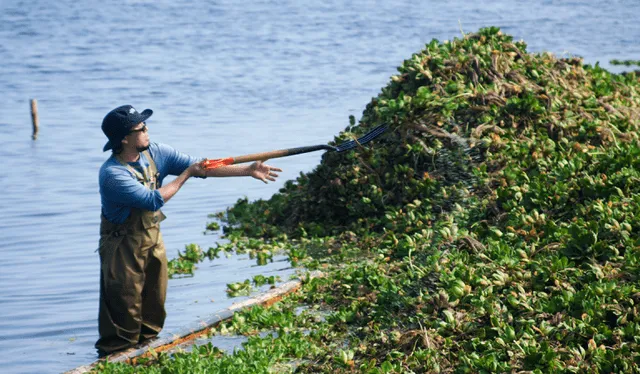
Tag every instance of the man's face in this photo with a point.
(138, 137)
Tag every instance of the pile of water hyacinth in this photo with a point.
(492, 228)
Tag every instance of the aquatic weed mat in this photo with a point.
(491, 229)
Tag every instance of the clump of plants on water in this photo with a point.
(493, 228)
(625, 62)
(185, 263)
(245, 288)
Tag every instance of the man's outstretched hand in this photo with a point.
(260, 170)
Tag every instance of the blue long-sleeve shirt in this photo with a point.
(120, 191)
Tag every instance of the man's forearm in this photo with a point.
(230, 171)
(170, 189)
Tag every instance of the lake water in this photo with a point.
(223, 78)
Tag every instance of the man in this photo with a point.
(133, 261)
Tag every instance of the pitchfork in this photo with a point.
(346, 146)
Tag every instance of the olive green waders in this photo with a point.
(133, 274)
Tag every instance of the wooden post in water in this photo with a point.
(34, 118)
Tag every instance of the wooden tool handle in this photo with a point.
(212, 164)
(261, 156)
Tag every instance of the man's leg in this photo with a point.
(121, 281)
(155, 292)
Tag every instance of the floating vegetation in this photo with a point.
(245, 288)
(493, 228)
(260, 280)
(186, 261)
(239, 288)
(213, 226)
(625, 62)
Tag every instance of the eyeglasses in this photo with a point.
(142, 129)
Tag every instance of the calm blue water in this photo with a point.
(224, 79)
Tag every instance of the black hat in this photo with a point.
(118, 122)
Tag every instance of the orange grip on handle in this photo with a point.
(216, 163)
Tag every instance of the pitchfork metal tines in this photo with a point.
(346, 146)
